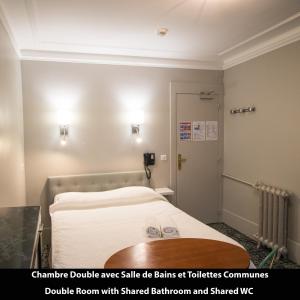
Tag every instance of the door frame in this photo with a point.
(192, 88)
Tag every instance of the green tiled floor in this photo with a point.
(257, 255)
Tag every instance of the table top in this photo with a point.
(185, 253)
(165, 191)
(17, 235)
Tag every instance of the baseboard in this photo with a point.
(249, 228)
(239, 223)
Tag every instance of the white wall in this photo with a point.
(12, 176)
(264, 145)
(99, 98)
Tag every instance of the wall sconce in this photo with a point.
(64, 122)
(64, 132)
(136, 120)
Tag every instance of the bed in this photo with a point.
(94, 216)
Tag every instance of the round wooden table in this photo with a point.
(185, 253)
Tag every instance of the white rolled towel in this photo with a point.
(153, 228)
(170, 232)
(168, 228)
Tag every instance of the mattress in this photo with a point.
(87, 228)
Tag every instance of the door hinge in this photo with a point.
(219, 107)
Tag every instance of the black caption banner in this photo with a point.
(82, 282)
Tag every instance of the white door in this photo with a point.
(198, 180)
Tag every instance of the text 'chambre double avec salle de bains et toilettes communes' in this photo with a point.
(146, 274)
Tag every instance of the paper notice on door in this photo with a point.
(185, 131)
(211, 130)
(198, 131)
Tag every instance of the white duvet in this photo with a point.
(87, 228)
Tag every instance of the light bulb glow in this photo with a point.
(136, 117)
(63, 142)
(63, 117)
(138, 140)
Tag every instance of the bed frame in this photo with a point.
(85, 183)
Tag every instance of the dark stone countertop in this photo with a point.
(18, 227)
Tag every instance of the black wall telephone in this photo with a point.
(149, 160)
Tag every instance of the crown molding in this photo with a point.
(6, 25)
(274, 37)
(272, 44)
(279, 35)
(56, 56)
(262, 33)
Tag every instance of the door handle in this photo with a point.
(180, 160)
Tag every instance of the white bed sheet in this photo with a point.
(85, 235)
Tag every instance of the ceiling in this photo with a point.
(202, 34)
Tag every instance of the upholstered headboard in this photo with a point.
(94, 182)
(87, 183)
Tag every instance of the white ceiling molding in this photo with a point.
(30, 8)
(91, 48)
(263, 48)
(119, 60)
(192, 43)
(270, 29)
(7, 27)
(279, 35)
